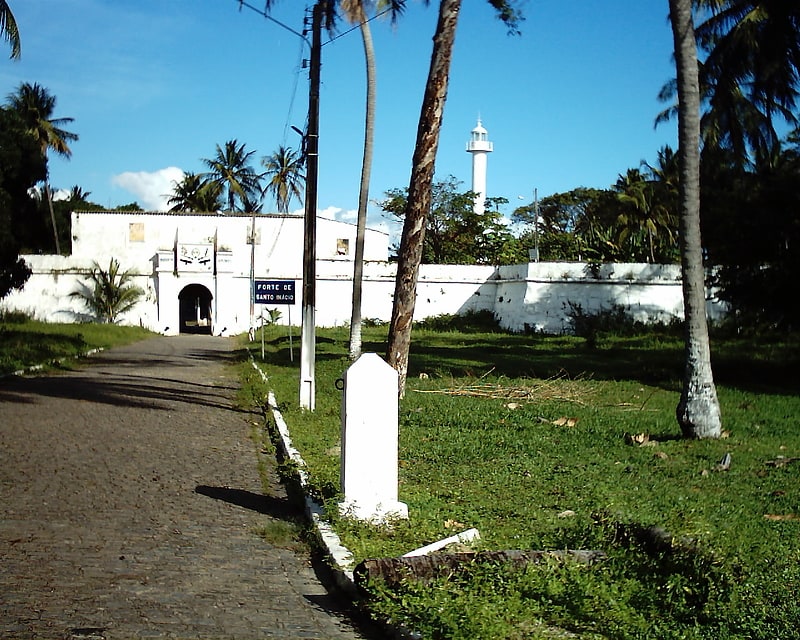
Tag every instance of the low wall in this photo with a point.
(525, 297)
(538, 296)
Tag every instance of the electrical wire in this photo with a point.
(244, 3)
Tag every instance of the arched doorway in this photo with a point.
(195, 309)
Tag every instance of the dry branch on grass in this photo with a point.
(559, 388)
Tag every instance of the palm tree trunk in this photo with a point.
(49, 197)
(418, 203)
(698, 410)
(363, 194)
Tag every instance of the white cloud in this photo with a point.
(151, 188)
(337, 213)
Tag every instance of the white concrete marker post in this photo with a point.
(370, 442)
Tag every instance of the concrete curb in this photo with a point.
(341, 557)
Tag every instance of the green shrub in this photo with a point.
(483, 321)
(14, 317)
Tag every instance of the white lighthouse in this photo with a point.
(479, 146)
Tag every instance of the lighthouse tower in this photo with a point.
(479, 146)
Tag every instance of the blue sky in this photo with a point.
(154, 85)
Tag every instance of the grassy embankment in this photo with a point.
(26, 343)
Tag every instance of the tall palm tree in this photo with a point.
(285, 177)
(356, 11)
(8, 29)
(194, 194)
(35, 106)
(230, 169)
(422, 170)
(698, 411)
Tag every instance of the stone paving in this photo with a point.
(130, 496)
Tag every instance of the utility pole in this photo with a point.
(308, 338)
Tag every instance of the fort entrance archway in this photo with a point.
(195, 309)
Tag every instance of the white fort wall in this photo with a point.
(523, 297)
(171, 255)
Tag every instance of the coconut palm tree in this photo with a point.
(284, 175)
(8, 29)
(645, 217)
(194, 194)
(230, 169)
(355, 11)
(422, 170)
(77, 194)
(698, 411)
(109, 294)
(754, 44)
(35, 106)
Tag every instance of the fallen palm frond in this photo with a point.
(558, 388)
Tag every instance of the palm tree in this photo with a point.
(284, 175)
(9, 30)
(77, 194)
(230, 169)
(35, 106)
(645, 217)
(422, 170)
(356, 11)
(698, 411)
(110, 293)
(194, 194)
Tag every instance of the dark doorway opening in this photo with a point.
(195, 309)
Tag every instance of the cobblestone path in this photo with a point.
(130, 496)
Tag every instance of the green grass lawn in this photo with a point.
(535, 441)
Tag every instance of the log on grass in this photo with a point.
(424, 568)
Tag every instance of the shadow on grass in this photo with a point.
(656, 360)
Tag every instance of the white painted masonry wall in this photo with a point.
(533, 296)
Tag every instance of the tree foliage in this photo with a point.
(230, 169)
(194, 193)
(749, 74)
(36, 106)
(21, 167)
(454, 233)
(751, 232)
(9, 30)
(283, 171)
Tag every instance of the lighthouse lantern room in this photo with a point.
(479, 146)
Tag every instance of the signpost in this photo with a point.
(275, 292)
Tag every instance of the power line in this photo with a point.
(243, 3)
(357, 26)
(263, 13)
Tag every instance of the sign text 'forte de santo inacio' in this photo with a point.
(274, 291)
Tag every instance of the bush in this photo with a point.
(14, 317)
(610, 321)
(483, 321)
